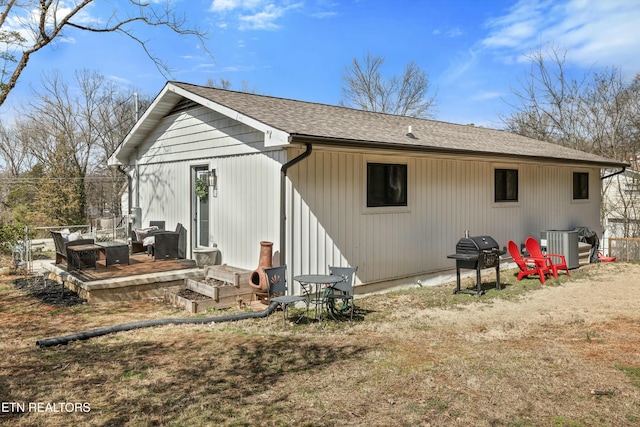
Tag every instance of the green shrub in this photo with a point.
(10, 235)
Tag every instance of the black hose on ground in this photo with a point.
(49, 342)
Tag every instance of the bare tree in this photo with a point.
(116, 114)
(364, 87)
(29, 25)
(226, 84)
(71, 133)
(548, 106)
(593, 113)
(597, 112)
(13, 153)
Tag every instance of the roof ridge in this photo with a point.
(321, 104)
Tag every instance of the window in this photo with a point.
(506, 185)
(580, 185)
(386, 185)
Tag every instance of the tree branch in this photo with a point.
(49, 26)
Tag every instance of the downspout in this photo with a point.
(129, 191)
(137, 183)
(283, 200)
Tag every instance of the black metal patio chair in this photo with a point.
(338, 299)
(278, 290)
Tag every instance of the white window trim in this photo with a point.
(492, 189)
(385, 209)
(580, 201)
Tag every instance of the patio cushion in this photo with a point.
(65, 234)
(149, 240)
(72, 237)
(141, 233)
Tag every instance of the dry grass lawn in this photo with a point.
(563, 354)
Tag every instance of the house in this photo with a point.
(621, 205)
(335, 186)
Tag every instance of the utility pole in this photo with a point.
(137, 105)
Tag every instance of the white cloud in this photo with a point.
(225, 5)
(606, 33)
(222, 5)
(484, 95)
(449, 33)
(263, 20)
(120, 80)
(323, 15)
(454, 32)
(461, 63)
(255, 14)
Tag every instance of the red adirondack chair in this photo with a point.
(528, 266)
(603, 258)
(555, 261)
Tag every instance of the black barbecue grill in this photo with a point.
(476, 253)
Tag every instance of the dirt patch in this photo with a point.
(48, 291)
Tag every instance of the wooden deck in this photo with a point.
(143, 277)
(140, 263)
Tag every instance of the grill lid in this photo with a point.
(476, 244)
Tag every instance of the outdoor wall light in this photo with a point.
(212, 179)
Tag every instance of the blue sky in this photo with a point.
(473, 51)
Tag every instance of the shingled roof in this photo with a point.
(328, 124)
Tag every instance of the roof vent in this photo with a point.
(410, 133)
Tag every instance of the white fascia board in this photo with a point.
(272, 137)
(122, 155)
(152, 115)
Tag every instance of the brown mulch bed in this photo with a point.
(192, 295)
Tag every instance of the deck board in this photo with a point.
(139, 264)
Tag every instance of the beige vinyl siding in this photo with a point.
(246, 206)
(327, 222)
(196, 134)
(331, 225)
(162, 188)
(246, 210)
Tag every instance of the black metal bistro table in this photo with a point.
(312, 287)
